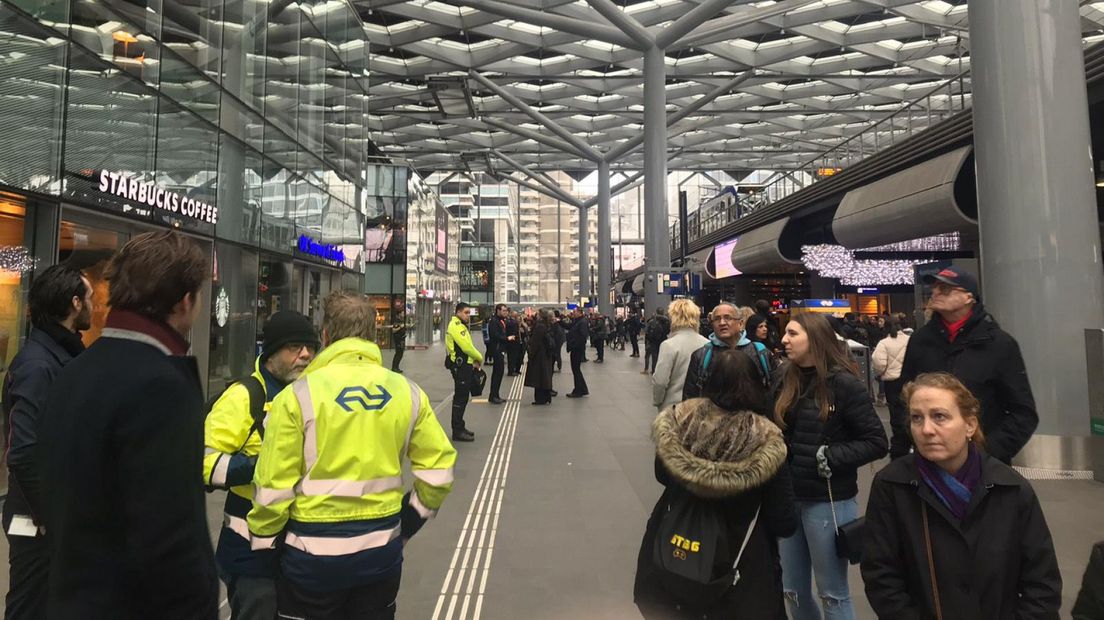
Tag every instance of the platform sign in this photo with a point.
(821, 306)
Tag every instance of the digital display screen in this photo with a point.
(722, 255)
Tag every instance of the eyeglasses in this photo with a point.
(298, 348)
(946, 289)
(726, 319)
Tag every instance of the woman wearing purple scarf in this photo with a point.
(951, 531)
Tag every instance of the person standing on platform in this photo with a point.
(233, 431)
(496, 348)
(675, 354)
(538, 374)
(123, 499)
(576, 345)
(964, 340)
(831, 430)
(634, 328)
(728, 333)
(465, 360)
(888, 358)
(656, 331)
(513, 346)
(398, 339)
(559, 336)
(329, 478)
(599, 331)
(60, 307)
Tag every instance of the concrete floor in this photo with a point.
(549, 504)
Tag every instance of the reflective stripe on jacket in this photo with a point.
(330, 469)
(459, 338)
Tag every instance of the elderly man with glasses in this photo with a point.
(963, 339)
(728, 333)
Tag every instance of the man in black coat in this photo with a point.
(496, 349)
(963, 339)
(634, 326)
(576, 345)
(61, 307)
(122, 454)
(513, 347)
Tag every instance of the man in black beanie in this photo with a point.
(233, 432)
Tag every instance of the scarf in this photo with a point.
(68, 340)
(955, 490)
(953, 329)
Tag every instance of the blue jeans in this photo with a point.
(812, 551)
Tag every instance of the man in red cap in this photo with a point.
(963, 339)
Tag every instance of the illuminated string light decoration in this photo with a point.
(16, 259)
(835, 261)
(949, 242)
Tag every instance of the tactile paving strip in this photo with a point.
(1034, 473)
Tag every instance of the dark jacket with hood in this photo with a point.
(853, 433)
(1090, 600)
(987, 360)
(997, 563)
(737, 459)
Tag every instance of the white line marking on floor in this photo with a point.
(481, 523)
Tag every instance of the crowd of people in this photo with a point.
(761, 432)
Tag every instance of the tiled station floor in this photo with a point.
(549, 504)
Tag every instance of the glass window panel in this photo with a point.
(184, 84)
(233, 316)
(31, 103)
(187, 159)
(240, 191)
(122, 32)
(243, 51)
(282, 68)
(193, 30)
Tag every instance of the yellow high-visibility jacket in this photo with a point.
(458, 337)
(329, 476)
(232, 447)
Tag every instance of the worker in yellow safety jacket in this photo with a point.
(464, 360)
(233, 432)
(329, 477)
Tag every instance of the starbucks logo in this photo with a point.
(222, 308)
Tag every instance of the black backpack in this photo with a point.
(691, 538)
(257, 400)
(657, 330)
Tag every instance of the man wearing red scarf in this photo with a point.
(962, 338)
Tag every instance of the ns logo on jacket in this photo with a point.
(363, 398)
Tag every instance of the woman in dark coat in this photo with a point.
(952, 511)
(718, 450)
(542, 356)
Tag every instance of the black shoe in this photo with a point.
(555, 393)
(635, 355)
(599, 361)
(397, 370)
(494, 400)
(535, 403)
(463, 435)
(574, 395)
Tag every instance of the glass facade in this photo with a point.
(241, 122)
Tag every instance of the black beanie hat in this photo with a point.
(284, 328)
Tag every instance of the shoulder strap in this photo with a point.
(763, 356)
(931, 562)
(743, 545)
(257, 400)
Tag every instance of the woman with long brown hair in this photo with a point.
(831, 430)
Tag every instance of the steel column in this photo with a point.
(657, 252)
(584, 266)
(1040, 239)
(605, 269)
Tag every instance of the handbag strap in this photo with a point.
(832, 503)
(931, 562)
(743, 545)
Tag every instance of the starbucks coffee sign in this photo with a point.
(155, 196)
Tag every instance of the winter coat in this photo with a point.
(497, 337)
(998, 563)
(542, 352)
(577, 335)
(656, 331)
(756, 476)
(697, 372)
(1090, 600)
(889, 356)
(853, 433)
(124, 502)
(670, 367)
(988, 361)
(26, 389)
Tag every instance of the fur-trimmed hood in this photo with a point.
(715, 453)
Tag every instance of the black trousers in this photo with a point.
(541, 395)
(513, 354)
(28, 573)
(251, 598)
(901, 441)
(635, 345)
(650, 355)
(559, 357)
(400, 348)
(496, 373)
(577, 370)
(374, 601)
(601, 346)
(461, 380)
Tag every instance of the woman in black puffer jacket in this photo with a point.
(831, 430)
(719, 450)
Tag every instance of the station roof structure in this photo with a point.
(802, 76)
